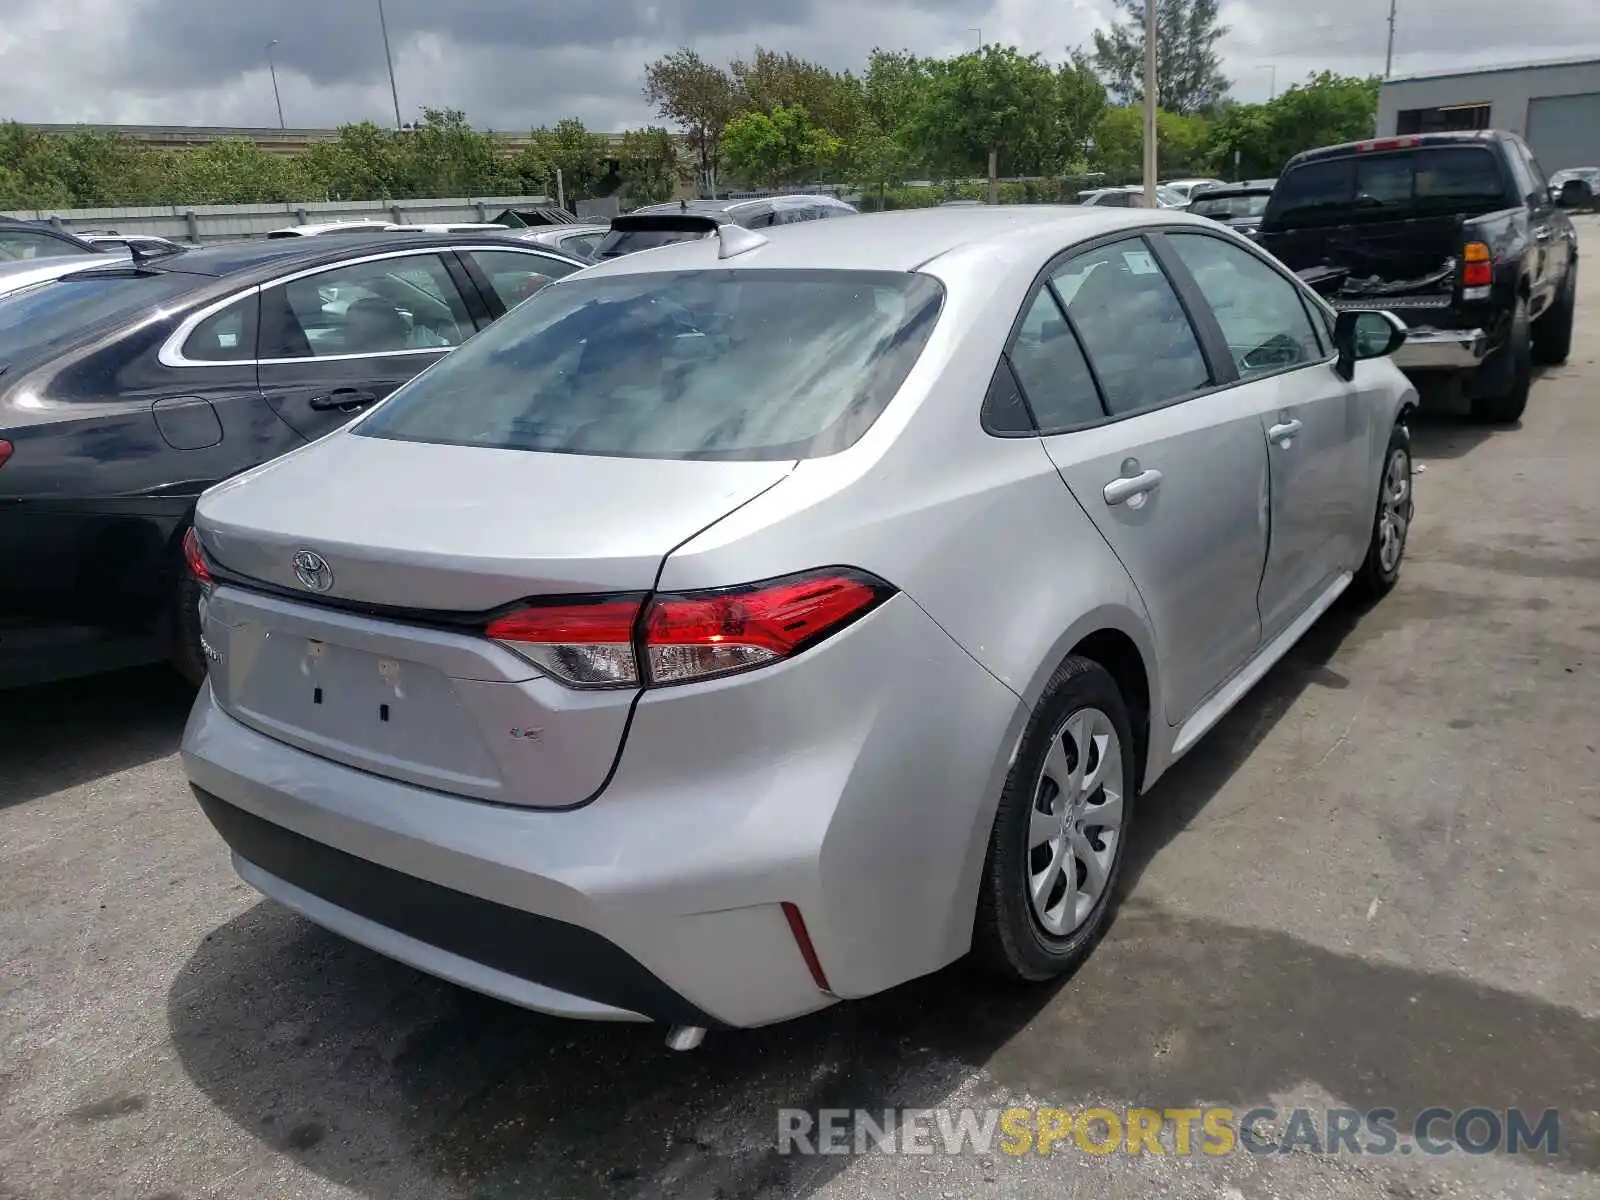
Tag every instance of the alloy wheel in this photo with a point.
(1394, 510)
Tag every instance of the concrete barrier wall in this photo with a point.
(225, 222)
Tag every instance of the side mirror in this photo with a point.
(1365, 333)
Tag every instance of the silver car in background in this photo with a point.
(773, 618)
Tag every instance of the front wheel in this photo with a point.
(1059, 835)
(1380, 571)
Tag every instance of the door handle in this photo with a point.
(1133, 489)
(347, 399)
(1284, 432)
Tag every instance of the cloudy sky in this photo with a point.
(511, 64)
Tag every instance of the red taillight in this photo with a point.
(693, 636)
(686, 636)
(1477, 268)
(586, 644)
(195, 557)
(5, 451)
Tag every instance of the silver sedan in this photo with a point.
(770, 619)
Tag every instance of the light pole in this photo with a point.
(272, 67)
(977, 29)
(1388, 59)
(1150, 160)
(1273, 67)
(394, 93)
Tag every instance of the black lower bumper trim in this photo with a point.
(538, 949)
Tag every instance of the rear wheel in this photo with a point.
(1552, 332)
(1507, 377)
(1057, 845)
(1381, 569)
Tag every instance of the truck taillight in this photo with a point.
(1394, 143)
(1477, 265)
(686, 636)
(5, 451)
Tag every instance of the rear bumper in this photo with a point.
(1428, 349)
(856, 782)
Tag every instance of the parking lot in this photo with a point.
(1375, 884)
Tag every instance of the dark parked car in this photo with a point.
(126, 390)
(1454, 233)
(34, 239)
(687, 220)
(1236, 205)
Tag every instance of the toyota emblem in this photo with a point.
(312, 570)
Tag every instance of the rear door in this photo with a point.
(335, 340)
(1171, 469)
(1313, 423)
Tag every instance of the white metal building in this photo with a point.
(1554, 106)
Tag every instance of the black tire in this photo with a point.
(1507, 377)
(1009, 938)
(1380, 570)
(184, 651)
(1552, 332)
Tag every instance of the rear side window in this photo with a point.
(710, 364)
(1379, 185)
(515, 276)
(385, 306)
(1136, 334)
(1051, 369)
(226, 336)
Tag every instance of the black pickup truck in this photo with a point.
(1454, 233)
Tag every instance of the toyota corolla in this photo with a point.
(767, 620)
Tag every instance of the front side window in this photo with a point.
(386, 306)
(1134, 330)
(1261, 314)
(1051, 368)
(730, 364)
(515, 276)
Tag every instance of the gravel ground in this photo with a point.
(1373, 885)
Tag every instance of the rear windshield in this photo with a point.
(40, 318)
(1229, 206)
(715, 364)
(1412, 183)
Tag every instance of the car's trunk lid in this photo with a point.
(387, 668)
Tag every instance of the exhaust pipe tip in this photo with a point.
(685, 1037)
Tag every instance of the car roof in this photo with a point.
(1409, 141)
(233, 258)
(903, 240)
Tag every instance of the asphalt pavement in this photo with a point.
(1375, 885)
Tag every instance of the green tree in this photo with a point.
(777, 148)
(770, 80)
(1189, 76)
(1080, 100)
(981, 106)
(1324, 110)
(876, 160)
(444, 156)
(570, 148)
(365, 162)
(235, 171)
(649, 165)
(1119, 143)
(698, 98)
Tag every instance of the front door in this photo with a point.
(336, 340)
(1172, 470)
(1313, 423)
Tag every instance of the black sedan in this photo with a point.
(1237, 205)
(127, 390)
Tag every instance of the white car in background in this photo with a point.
(14, 276)
(322, 227)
